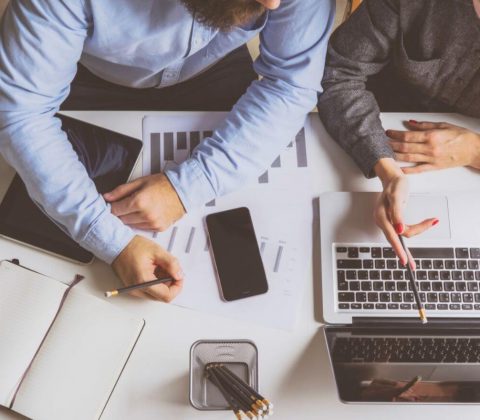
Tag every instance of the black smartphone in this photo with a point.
(236, 255)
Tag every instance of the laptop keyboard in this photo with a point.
(371, 278)
(406, 350)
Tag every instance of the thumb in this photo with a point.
(397, 203)
(427, 125)
(122, 191)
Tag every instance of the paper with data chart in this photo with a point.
(281, 214)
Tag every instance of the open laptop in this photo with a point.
(377, 344)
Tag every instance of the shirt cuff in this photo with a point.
(191, 184)
(107, 237)
(367, 151)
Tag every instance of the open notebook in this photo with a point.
(78, 365)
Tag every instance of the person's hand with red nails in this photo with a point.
(143, 260)
(148, 203)
(433, 146)
(390, 207)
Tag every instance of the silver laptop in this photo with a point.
(378, 347)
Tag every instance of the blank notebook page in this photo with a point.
(80, 362)
(28, 303)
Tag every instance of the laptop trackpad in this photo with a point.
(425, 206)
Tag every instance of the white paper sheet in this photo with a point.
(280, 204)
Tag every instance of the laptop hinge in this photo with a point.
(382, 322)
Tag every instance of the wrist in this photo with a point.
(387, 169)
(476, 152)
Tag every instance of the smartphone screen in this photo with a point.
(236, 254)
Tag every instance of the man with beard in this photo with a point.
(163, 55)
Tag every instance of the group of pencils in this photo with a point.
(242, 399)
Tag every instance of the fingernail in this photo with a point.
(413, 122)
(180, 275)
(435, 222)
(399, 228)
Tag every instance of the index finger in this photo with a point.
(391, 235)
(123, 206)
(408, 136)
(166, 291)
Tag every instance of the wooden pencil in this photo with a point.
(144, 285)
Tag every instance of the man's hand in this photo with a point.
(391, 204)
(435, 146)
(148, 203)
(143, 260)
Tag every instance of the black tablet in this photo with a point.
(109, 158)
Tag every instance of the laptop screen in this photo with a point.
(438, 367)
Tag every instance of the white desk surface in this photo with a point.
(294, 368)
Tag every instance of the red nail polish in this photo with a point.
(413, 122)
(399, 228)
(435, 222)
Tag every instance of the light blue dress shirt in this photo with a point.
(148, 43)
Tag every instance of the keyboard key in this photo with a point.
(341, 249)
(445, 275)
(468, 275)
(430, 306)
(352, 252)
(378, 285)
(477, 307)
(362, 275)
(376, 252)
(423, 297)
(351, 275)
(384, 297)
(340, 275)
(425, 286)
(389, 253)
(442, 307)
(354, 285)
(368, 264)
(346, 297)
(361, 297)
(365, 250)
(390, 286)
(396, 297)
(462, 264)
(408, 297)
(372, 297)
(405, 306)
(448, 286)
(475, 253)
(398, 275)
(460, 287)
(342, 285)
(427, 264)
(349, 263)
(402, 286)
(437, 286)
(457, 275)
(477, 297)
(468, 297)
(450, 264)
(393, 306)
(438, 264)
(421, 275)
(472, 286)
(356, 306)
(379, 264)
(473, 264)
(432, 252)
(392, 264)
(454, 307)
(461, 252)
(444, 297)
(455, 297)
(467, 306)
(368, 306)
(386, 275)
(374, 274)
(343, 306)
(380, 306)
(477, 275)
(432, 297)
(433, 275)
(366, 285)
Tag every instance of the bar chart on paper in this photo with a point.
(282, 222)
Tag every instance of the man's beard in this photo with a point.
(224, 14)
